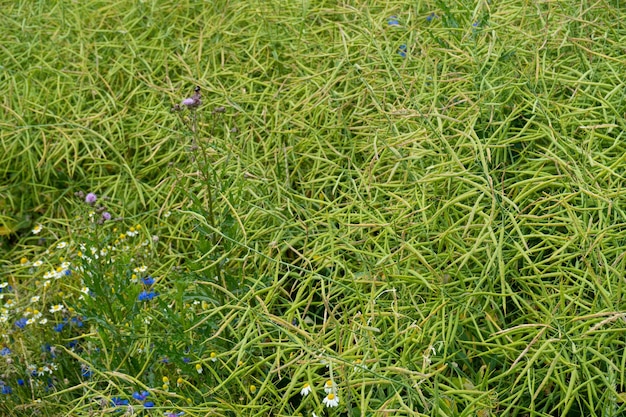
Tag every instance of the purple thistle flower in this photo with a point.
(193, 101)
(91, 198)
(106, 216)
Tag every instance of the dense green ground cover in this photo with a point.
(416, 205)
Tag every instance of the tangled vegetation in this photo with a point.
(240, 208)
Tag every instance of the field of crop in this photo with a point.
(316, 208)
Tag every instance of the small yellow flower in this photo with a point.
(213, 357)
(166, 380)
(252, 389)
(198, 368)
(23, 261)
(180, 381)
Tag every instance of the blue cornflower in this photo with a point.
(117, 401)
(21, 323)
(6, 389)
(186, 359)
(5, 351)
(20, 382)
(402, 51)
(431, 16)
(148, 281)
(147, 295)
(48, 349)
(393, 21)
(141, 396)
(86, 371)
(148, 404)
(59, 327)
(78, 321)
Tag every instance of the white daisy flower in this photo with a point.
(61, 245)
(330, 387)
(57, 308)
(306, 390)
(140, 269)
(331, 400)
(37, 229)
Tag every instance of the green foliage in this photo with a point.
(420, 202)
